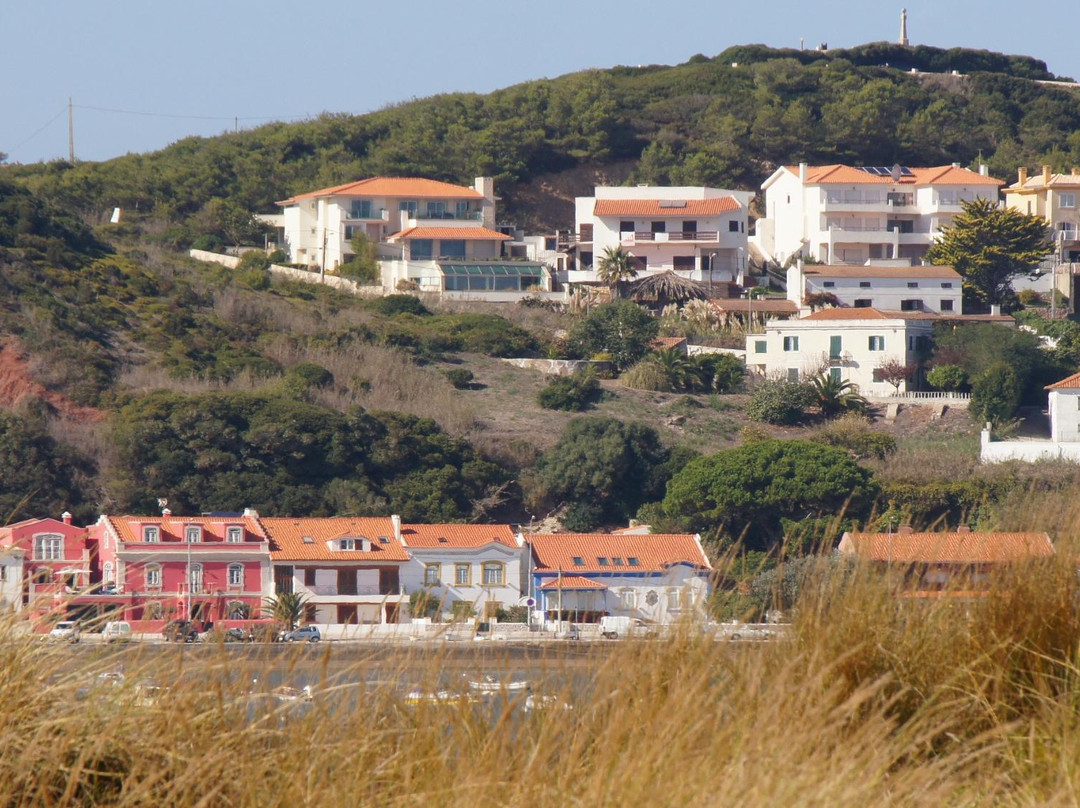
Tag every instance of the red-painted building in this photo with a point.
(211, 568)
(47, 567)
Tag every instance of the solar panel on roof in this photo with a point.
(672, 203)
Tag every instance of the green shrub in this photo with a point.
(854, 433)
(392, 305)
(646, 375)
(460, 378)
(256, 279)
(304, 378)
(278, 256)
(253, 259)
(719, 373)
(947, 377)
(208, 242)
(570, 393)
(995, 394)
(1029, 297)
(779, 402)
(620, 328)
(583, 517)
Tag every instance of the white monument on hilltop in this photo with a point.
(903, 27)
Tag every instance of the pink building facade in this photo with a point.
(211, 568)
(48, 567)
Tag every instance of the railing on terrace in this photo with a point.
(677, 235)
(368, 589)
(931, 395)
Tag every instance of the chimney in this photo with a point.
(1046, 175)
(963, 529)
(984, 170)
(1021, 175)
(956, 165)
(396, 521)
(802, 173)
(1076, 171)
(995, 310)
(905, 530)
(65, 517)
(165, 513)
(251, 513)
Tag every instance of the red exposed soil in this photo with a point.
(17, 385)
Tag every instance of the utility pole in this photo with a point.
(71, 132)
(322, 264)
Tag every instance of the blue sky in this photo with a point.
(194, 67)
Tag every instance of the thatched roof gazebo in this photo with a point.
(664, 288)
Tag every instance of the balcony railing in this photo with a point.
(333, 591)
(372, 216)
(678, 235)
(427, 215)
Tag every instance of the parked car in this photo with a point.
(65, 630)
(615, 627)
(117, 631)
(303, 634)
(226, 635)
(180, 631)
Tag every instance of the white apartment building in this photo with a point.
(840, 214)
(696, 231)
(848, 344)
(936, 289)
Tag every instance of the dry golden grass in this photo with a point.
(870, 700)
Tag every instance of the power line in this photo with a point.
(192, 117)
(38, 131)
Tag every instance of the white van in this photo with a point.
(117, 631)
(613, 627)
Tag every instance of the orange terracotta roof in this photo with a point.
(466, 233)
(573, 582)
(287, 538)
(654, 552)
(665, 343)
(663, 208)
(847, 271)
(1068, 383)
(855, 314)
(947, 548)
(933, 175)
(129, 528)
(411, 187)
(759, 306)
(452, 537)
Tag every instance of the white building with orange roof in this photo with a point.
(936, 289)
(698, 232)
(430, 236)
(1063, 443)
(469, 569)
(840, 214)
(957, 563)
(347, 568)
(658, 578)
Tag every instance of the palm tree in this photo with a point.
(679, 369)
(835, 395)
(287, 607)
(615, 267)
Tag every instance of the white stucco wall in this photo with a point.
(660, 599)
(507, 594)
(11, 580)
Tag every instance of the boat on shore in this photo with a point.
(491, 685)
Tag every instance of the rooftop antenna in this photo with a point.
(71, 132)
(903, 27)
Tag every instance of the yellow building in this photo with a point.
(1053, 197)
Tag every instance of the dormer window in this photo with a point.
(578, 561)
(384, 540)
(633, 561)
(192, 534)
(616, 561)
(602, 561)
(234, 535)
(346, 544)
(443, 540)
(151, 534)
(308, 540)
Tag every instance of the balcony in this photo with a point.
(699, 236)
(853, 200)
(446, 216)
(331, 590)
(374, 216)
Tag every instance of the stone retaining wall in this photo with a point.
(560, 367)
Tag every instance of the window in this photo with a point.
(910, 305)
(463, 574)
(658, 227)
(602, 561)
(346, 544)
(616, 561)
(431, 574)
(195, 577)
(672, 599)
(761, 346)
(913, 285)
(49, 548)
(410, 206)
(309, 576)
(633, 561)
(626, 227)
(791, 344)
(452, 248)
(153, 577)
(877, 343)
(578, 561)
(3, 572)
(421, 249)
(864, 284)
(863, 303)
(461, 210)
(436, 210)
(192, 533)
(733, 226)
(1067, 201)
(836, 346)
(235, 535)
(946, 305)
(836, 374)
(151, 534)
(627, 598)
(946, 285)
(238, 610)
(684, 262)
(878, 375)
(107, 572)
(493, 573)
(689, 225)
(828, 284)
(360, 209)
(236, 575)
(792, 374)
